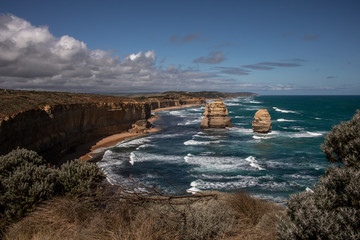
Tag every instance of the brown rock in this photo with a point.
(216, 116)
(262, 121)
(140, 126)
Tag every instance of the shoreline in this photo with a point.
(110, 141)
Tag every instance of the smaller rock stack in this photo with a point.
(140, 126)
(216, 116)
(262, 121)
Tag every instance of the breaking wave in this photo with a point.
(285, 120)
(283, 111)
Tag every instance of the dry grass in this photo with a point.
(258, 219)
(113, 214)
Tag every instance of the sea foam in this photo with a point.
(133, 158)
(133, 142)
(306, 134)
(283, 111)
(285, 120)
(253, 162)
(194, 142)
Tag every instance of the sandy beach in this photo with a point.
(111, 141)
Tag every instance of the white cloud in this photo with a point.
(32, 58)
(67, 47)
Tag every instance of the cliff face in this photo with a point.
(53, 130)
(156, 103)
(216, 116)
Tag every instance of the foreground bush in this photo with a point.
(26, 181)
(77, 177)
(332, 210)
(342, 144)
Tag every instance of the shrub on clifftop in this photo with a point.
(342, 144)
(25, 181)
(78, 177)
(332, 210)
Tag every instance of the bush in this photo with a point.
(24, 188)
(25, 181)
(332, 210)
(342, 144)
(78, 177)
(16, 158)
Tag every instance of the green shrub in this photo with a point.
(25, 181)
(27, 186)
(332, 210)
(78, 177)
(16, 158)
(342, 144)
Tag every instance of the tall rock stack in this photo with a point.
(262, 121)
(216, 116)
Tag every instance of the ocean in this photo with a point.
(182, 158)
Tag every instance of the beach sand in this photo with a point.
(110, 141)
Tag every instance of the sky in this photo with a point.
(271, 47)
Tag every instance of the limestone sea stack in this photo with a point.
(216, 116)
(262, 121)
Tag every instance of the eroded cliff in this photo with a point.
(54, 124)
(54, 129)
(164, 102)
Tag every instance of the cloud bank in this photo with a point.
(32, 58)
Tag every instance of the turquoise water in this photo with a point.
(183, 158)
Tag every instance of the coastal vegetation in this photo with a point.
(26, 180)
(332, 209)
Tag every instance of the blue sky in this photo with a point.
(268, 47)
